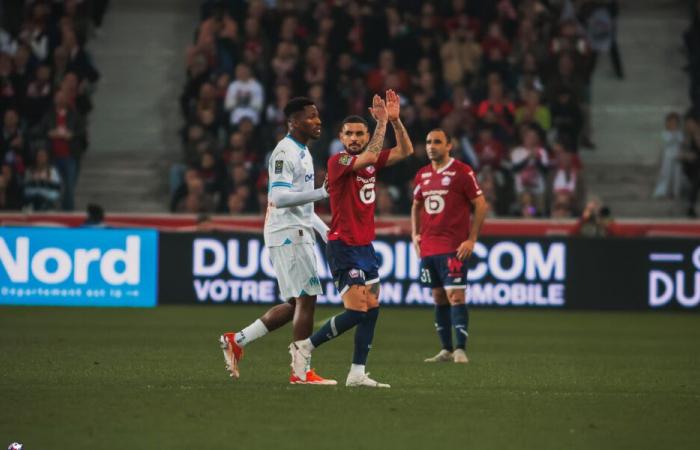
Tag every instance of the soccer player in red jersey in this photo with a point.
(351, 178)
(445, 193)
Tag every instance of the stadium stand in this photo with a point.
(510, 81)
(46, 82)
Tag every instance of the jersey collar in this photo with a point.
(443, 168)
(299, 144)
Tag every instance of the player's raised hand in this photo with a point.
(393, 105)
(465, 249)
(378, 109)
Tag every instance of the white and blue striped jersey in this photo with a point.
(290, 167)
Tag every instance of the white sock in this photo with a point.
(357, 369)
(250, 333)
(306, 344)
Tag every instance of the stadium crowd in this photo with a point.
(46, 81)
(509, 80)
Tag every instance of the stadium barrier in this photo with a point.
(576, 273)
(127, 267)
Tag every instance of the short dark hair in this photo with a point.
(442, 130)
(354, 119)
(297, 104)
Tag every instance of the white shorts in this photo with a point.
(296, 269)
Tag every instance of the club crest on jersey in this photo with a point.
(278, 166)
(370, 169)
(446, 181)
(345, 160)
(356, 273)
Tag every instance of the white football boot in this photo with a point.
(356, 380)
(443, 356)
(460, 356)
(301, 360)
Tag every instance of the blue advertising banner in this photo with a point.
(78, 267)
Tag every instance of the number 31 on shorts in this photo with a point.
(425, 276)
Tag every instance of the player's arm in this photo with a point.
(371, 154)
(416, 208)
(284, 197)
(481, 207)
(281, 195)
(320, 227)
(404, 147)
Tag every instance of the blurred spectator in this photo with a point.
(460, 55)
(532, 111)
(42, 184)
(13, 144)
(691, 37)
(567, 118)
(95, 215)
(669, 181)
(599, 17)
(566, 185)
(245, 97)
(64, 129)
(530, 163)
(691, 160)
(10, 188)
(595, 221)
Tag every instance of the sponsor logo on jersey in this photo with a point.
(278, 166)
(345, 160)
(426, 175)
(426, 182)
(449, 173)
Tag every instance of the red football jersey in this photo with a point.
(446, 195)
(352, 198)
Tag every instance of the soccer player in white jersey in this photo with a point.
(289, 235)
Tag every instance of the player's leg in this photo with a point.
(431, 277)
(364, 335)
(460, 323)
(355, 302)
(455, 283)
(304, 281)
(443, 326)
(232, 343)
(303, 322)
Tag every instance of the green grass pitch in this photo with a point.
(155, 379)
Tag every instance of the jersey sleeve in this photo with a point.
(281, 170)
(471, 186)
(340, 165)
(417, 191)
(383, 158)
